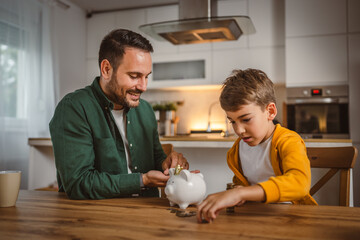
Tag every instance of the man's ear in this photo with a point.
(106, 69)
(272, 111)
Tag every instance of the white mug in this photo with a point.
(9, 187)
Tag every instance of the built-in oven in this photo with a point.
(318, 112)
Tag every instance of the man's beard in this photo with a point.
(112, 89)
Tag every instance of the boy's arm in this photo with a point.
(210, 207)
(295, 181)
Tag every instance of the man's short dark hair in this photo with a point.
(113, 45)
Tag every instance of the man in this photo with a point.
(104, 136)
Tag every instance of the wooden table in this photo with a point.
(51, 215)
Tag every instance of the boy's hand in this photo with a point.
(210, 207)
(173, 160)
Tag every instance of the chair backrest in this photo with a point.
(168, 148)
(337, 159)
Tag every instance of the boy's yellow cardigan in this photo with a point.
(291, 167)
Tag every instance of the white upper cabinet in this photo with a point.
(314, 61)
(263, 50)
(179, 70)
(130, 19)
(269, 60)
(316, 42)
(315, 17)
(232, 8)
(268, 18)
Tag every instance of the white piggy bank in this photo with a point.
(185, 188)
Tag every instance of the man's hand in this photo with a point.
(173, 160)
(154, 178)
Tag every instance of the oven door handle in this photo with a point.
(317, 100)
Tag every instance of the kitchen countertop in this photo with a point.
(217, 141)
(212, 141)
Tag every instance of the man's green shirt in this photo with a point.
(89, 152)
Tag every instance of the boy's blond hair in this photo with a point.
(243, 87)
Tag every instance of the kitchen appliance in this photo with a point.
(318, 112)
(198, 23)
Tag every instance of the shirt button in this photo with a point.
(135, 167)
(130, 144)
(128, 122)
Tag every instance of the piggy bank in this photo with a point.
(185, 188)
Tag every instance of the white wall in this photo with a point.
(196, 103)
(69, 39)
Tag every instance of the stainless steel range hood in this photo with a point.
(198, 23)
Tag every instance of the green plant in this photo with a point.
(168, 106)
(158, 107)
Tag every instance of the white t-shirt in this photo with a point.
(255, 161)
(121, 124)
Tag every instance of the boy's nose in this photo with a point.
(239, 130)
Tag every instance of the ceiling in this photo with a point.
(110, 5)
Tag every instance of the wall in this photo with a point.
(69, 36)
(193, 113)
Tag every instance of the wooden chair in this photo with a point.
(337, 159)
(168, 148)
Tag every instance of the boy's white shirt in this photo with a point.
(120, 123)
(255, 161)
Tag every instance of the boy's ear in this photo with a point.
(272, 111)
(106, 69)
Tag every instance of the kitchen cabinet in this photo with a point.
(269, 23)
(263, 50)
(130, 19)
(314, 61)
(316, 43)
(182, 66)
(232, 8)
(269, 60)
(315, 17)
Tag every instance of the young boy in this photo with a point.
(269, 161)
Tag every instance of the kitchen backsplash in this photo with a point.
(193, 113)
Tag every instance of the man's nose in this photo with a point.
(142, 84)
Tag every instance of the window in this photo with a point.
(10, 57)
(9, 80)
